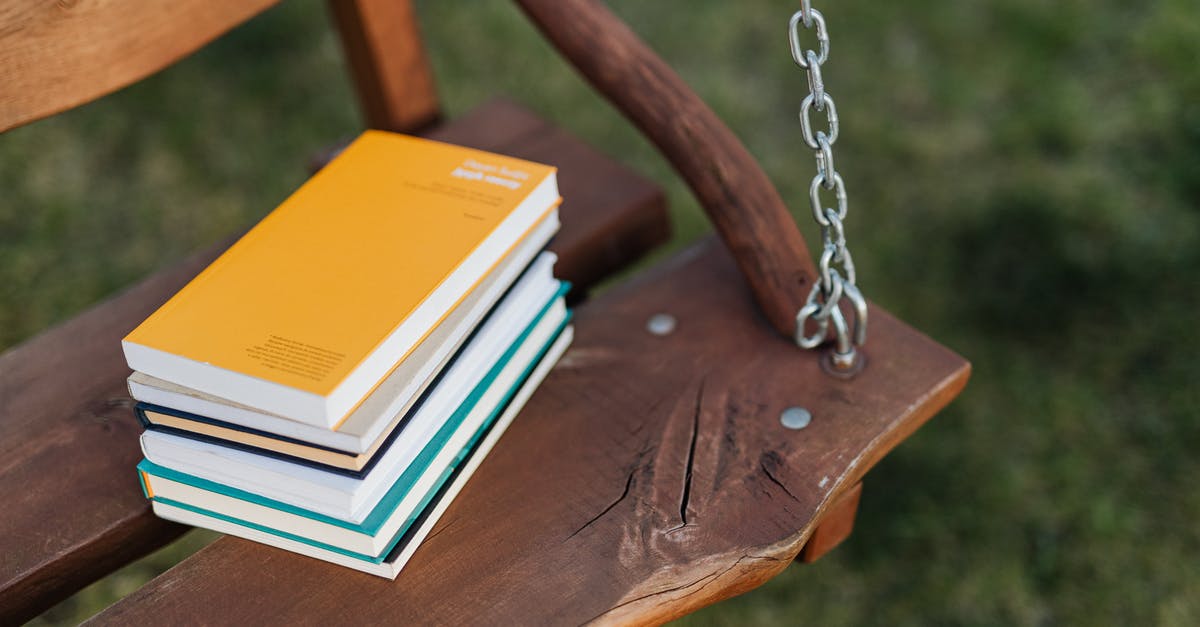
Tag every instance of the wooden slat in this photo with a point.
(647, 477)
(391, 71)
(68, 439)
(67, 443)
(745, 208)
(55, 55)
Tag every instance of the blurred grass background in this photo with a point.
(1024, 179)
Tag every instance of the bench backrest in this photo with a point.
(59, 54)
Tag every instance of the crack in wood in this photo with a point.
(687, 477)
(438, 532)
(707, 579)
(771, 476)
(625, 493)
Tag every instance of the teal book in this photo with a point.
(374, 538)
(348, 498)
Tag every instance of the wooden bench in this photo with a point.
(650, 474)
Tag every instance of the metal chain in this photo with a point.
(837, 276)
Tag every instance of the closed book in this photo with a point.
(371, 538)
(167, 406)
(356, 499)
(314, 306)
(516, 317)
(403, 538)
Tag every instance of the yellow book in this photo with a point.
(315, 305)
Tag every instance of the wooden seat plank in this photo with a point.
(68, 438)
(647, 477)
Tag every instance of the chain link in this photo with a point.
(838, 280)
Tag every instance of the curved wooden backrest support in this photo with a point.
(56, 55)
(739, 199)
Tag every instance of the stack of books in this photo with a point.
(330, 383)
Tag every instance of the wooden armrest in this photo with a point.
(739, 199)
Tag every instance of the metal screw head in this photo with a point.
(661, 324)
(795, 417)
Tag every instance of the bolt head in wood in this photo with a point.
(795, 417)
(661, 324)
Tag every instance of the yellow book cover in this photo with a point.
(308, 311)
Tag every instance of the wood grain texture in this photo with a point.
(68, 441)
(739, 199)
(647, 477)
(391, 71)
(68, 438)
(834, 527)
(55, 55)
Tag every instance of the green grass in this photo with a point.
(1025, 187)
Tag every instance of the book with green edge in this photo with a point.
(342, 497)
(418, 527)
(375, 537)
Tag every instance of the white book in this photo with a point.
(347, 498)
(391, 564)
(382, 409)
(411, 493)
